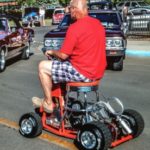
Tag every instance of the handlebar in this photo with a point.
(49, 57)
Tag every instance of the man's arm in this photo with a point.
(56, 54)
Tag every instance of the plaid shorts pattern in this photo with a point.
(63, 71)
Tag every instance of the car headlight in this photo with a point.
(114, 43)
(53, 43)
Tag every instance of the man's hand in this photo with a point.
(49, 53)
(56, 54)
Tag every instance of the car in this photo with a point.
(115, 37)
(31, 17)
(14, 40)
(130, 4)
(139, 19)
(58, 15)
(139, 11)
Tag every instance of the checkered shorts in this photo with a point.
(63, 71)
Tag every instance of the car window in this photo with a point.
(101, 6)
(66, 21)
(121, 4)
(3, 25)
(59, 11)
(134, 4)
(127, 4)
(107, 19)
(12, 24)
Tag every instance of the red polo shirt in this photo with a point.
(85, 45)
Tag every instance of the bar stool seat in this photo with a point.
(83, 86)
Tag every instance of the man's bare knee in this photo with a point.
(45, 67)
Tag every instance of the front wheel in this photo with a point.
(2, 60)
(134, 120)
(94, 136)
(30, 125)
(26, 52)
(118, 65)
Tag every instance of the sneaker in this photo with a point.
(48, 107)
(37, 102)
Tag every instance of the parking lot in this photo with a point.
(19, 83)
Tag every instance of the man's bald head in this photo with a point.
(78, 8)
(80, 4)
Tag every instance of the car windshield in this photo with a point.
(31, 10)
(59, 11)
(101, 6)
(2, 25)
(107, 19)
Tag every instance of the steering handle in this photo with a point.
(49, 56)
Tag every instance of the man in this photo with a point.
(82, 54)
(42, 16)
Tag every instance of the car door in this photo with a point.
(14, 38)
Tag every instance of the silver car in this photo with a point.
(139, 19)
(130, 4)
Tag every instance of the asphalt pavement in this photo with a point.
(135, 48)
(138, 47)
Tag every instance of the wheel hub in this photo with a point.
(2, 60)
(28, 51)
(26, 126)
(88, 140)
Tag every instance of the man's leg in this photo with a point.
(46, 80)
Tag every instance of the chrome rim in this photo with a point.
(88, 140)
(28, 50)
(2, 60)
(26, 126)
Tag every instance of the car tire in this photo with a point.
(148, 25)
(94, 136)
(2, 60)
(118, 65)
(144, 12)
(26, 52)
(30, 125)
(134, 120)
(25, 25)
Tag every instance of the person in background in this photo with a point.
(125, 13)
(67, 9)
(42, 16)
(82, 57)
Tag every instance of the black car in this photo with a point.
(14, 40)
(115, 37)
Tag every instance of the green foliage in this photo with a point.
(61, 2)
(64, 2)
(35, 2)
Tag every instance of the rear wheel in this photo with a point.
(30, 125)
(134, 120)
(2, 60)
(94, 136)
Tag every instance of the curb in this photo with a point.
(138, 53)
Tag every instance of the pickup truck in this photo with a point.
(115, 36)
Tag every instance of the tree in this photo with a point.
(64, 2)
